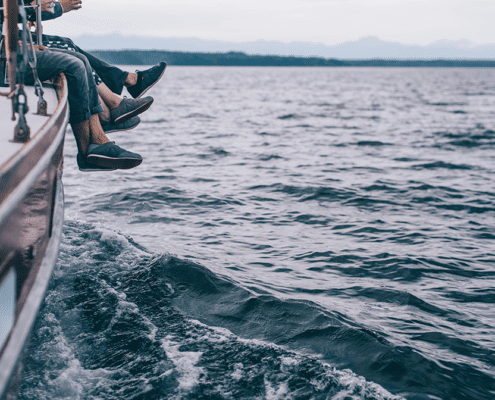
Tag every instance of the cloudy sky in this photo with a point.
(320, 21)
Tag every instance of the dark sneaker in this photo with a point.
(146, 80)
(87, 167)
(109, 126)
(109, 155)
(129, 108)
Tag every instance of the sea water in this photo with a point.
(293, 233)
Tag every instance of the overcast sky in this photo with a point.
(319, 21)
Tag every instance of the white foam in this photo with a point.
(278, 393)
(214, 334)
(185, 363)
(357, 388)
(113, 239)
(354, 387)
(288, 361)
(238, 373)
(72, 380)
(124, 306)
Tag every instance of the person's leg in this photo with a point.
(88, 132)
(122, 110)
(114, 77)
(105, 115)
(82, 94)
(146, 80)
(137, 83)
(108, 97)
(110, 101)
(96, 152)
(82, 135)
(93, 145)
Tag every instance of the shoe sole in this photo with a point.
(133, 113)
(121, 129)
(153, 84)
(97, 170)
(116, 163)
(84, 166)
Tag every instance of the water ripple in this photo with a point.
(344, 213)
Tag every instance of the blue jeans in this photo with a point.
(111, 75)
(83, 95)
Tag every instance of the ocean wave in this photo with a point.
(117, 324)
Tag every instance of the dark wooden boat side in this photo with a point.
(31, 218)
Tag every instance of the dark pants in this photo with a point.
(112, 76)
(82, 95)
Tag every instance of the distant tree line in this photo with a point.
(151, 57)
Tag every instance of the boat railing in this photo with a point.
(18, 63)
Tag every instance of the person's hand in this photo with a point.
(48, 5)
(32, 26)
(69, 5)
(38, 47)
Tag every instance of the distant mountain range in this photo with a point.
(365, 48)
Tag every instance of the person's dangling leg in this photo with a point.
(137, 83)
(108, 97)
(110, 100)
(114, 77)
(105, 114)
(88, 132)
(96, 152)
(121, 110)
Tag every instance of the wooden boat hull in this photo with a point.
(31, 219)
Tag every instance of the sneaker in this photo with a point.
(109, 155)
(129, 108)
(87, 167)
(109, 126)
(147, 79)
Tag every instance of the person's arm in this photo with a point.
(47, 10)
(57, 12)
(61, 7)
(69, 5)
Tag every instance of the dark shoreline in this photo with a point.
(151, 57)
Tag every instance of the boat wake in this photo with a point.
(121, 323)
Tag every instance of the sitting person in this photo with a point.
(95, 151)
(59, 7)
(137, 83)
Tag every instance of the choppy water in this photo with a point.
(292, 234)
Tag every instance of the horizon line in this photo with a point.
(466, 42)
(369, 59)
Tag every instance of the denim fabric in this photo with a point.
(112, 76)
(83, 95)
(64, 44)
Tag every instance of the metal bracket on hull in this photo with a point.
(22, 132)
